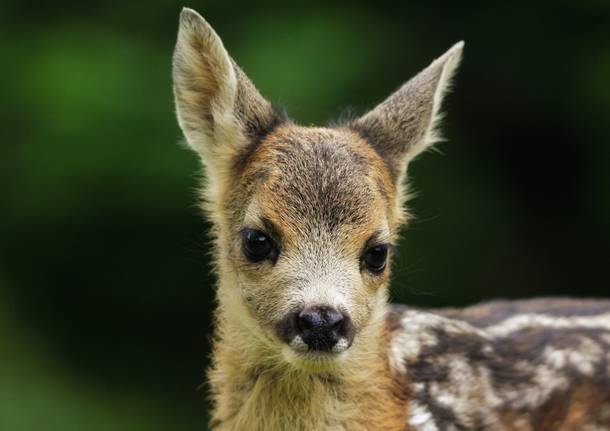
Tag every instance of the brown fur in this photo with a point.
(324, 196)
(582, 408)
(272, 397)
(508, 365)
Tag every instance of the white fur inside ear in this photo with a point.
(451, 60)
(205, 83)
(197, 39)
(403, 125)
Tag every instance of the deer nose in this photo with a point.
(323, 318)
(322, 327)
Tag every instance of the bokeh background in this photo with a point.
(105, 292)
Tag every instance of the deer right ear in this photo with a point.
(403, 126)
(219, 110)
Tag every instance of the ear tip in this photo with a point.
(451, 58)
(456, 49)
(188, 15)
(190, 18)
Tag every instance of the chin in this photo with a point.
(313, 362)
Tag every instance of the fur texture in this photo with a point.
(324, 197)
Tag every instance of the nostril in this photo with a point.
(333, 318)
(320, 318)
(309, 318)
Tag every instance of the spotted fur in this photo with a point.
(324, 196)
(506, 365)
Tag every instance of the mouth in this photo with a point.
(301, 356)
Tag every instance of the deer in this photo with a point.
(304, 225)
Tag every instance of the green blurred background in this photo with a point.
(105, 292)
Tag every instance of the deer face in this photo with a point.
(311, 238)
(304, 218)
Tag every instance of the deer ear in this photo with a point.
(403, 125)
(219, 110)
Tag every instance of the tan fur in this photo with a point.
(267, 395)
(583, 408)
(324, 196)
(252, 379)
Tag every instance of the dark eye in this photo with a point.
(257, 246)
(375, 258)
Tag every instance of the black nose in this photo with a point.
(321, 327)
(323, 318)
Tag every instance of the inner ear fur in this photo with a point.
(404, 125)
(219, 110)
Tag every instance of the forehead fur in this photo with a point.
(317, 178)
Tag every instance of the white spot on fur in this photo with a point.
(421, 418)
(524, 321)
(341, 345)
(546, 381)
(584, 357)
(298, 344)
(470, 390)
(418, 335)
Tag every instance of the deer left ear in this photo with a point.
(219, 109)
(403, 125)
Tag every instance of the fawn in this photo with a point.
(304, 219)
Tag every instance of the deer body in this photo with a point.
(304, 221)
(528, 365)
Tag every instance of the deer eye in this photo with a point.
(257, 246)
(375, 258)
